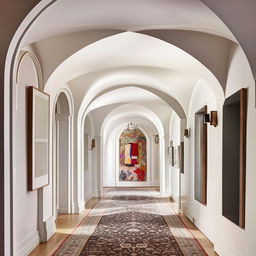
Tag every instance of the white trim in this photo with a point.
(89, 196)
(63, 210)
(188, 215)
(56, 118)
(97, 193)
(78, 207)
(47, 229)
(27, 244)
(81, 153)
(223, 248)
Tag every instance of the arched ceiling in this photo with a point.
(133, 59)
(168, 54)
(129, 94)
(125, 50)
(128, 112)
(66, 16)
(240, 18)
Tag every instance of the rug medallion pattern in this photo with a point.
(131, 223)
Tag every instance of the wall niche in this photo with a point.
(201, 156)
(234, 157)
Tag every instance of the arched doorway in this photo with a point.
(63, 174)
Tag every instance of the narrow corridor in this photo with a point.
(130, 222)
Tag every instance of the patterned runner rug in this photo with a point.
(131, 223)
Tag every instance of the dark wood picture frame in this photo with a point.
(38, 132)
(235, 119)
(182, 157)
(171, 153)
(203, 158)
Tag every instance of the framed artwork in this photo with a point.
(38, 118)
(170, 153)
(182, 157)
(200, 156)
(132, 156)
(234, 157)
(176, 156)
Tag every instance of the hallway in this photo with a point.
(128, 128)
(130, 221)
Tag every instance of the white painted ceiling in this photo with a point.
(129, 94)
(101, 46)
(132, 58)
(66, 16)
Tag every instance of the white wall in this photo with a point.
(174, 172)
(25, 203)
(204, 216)
(63, 164)
(88, 193)
(231, 240)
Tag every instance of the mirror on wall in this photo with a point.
(200, 155)
(234, 157)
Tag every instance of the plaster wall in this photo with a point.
(174, 172)
(231, 240)
(204, 216)
(25, 203)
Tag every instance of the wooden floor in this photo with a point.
(66, 223)
(201, 238)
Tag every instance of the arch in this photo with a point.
(28, 53)
(62, 153)
(87, 158)
(172, 102)
(176, 60)
(14, 47)
(122, 114)
(62, 106)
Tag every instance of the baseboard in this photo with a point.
(63, 210)
(175, 199)
(97, 193)
(188, 215)
(47, 229)
(28, 244)
(78, 207)
(88, 197)
(224, 249)
(109, 185)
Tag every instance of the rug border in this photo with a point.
(70, 234)
(103, 197)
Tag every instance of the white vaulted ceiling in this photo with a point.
(135, 59)
(67, 16)
(162, 47)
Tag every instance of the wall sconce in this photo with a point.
(214, 118)
(211, 118)
(92, 144)
(187, 133)
(156, 139)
